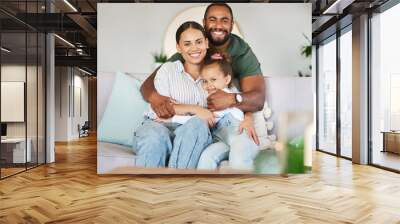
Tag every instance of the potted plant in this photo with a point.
(159, 59)
(306, 51)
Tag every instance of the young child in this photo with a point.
(234, 143)
(215, 73)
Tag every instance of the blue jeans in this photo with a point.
(240, 149)
(178, 146)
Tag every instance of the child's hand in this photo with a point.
(247, 124)
(206, 116)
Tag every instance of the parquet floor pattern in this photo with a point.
(70, 191)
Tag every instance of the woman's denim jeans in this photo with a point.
(178, 146)
(240, 149)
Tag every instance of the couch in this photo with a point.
(115, 155)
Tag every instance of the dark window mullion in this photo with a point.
(37, 90)
(317, 96)
(26, 86)
(338, 98)
(369, 81)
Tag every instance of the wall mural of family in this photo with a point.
(197, 117)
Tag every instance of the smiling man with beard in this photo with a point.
(218, 23)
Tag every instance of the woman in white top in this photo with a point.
(161, 144)
(181, 143)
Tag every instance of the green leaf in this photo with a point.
(306, 51)
(160, 57)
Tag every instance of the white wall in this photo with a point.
(33, 126)
(129, 33)
(80, 82)
(61, 103)
(296, 96)
(67, 120)
(13, 101)
(15, 72)
(275, 33)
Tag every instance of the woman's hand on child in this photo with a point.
(247, 124)
(162, 105)
(162, 120)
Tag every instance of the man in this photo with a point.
(218, 23)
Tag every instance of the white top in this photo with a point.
(172, 81)
(235, 112)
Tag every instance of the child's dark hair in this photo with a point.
(223, 60)
(188, 25)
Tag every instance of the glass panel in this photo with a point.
(31, 101)
(32, 85)
(327, 97)
(13, 90)
(386, 89)
(23, 88)
(346, 94)
(41, 98)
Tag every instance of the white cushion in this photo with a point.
(261, 129)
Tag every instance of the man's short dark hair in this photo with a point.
(218, 4)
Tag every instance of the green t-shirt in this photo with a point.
(244, 62)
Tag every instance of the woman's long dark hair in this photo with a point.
(188, 25)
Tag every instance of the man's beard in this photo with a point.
(217, 42)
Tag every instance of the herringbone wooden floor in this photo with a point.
(70, 191)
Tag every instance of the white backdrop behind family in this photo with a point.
(128, 35)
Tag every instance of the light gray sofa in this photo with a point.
(112, 157)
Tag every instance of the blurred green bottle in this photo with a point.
(295, 156)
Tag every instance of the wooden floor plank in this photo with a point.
(70, 191)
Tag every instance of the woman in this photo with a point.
(158, 144)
